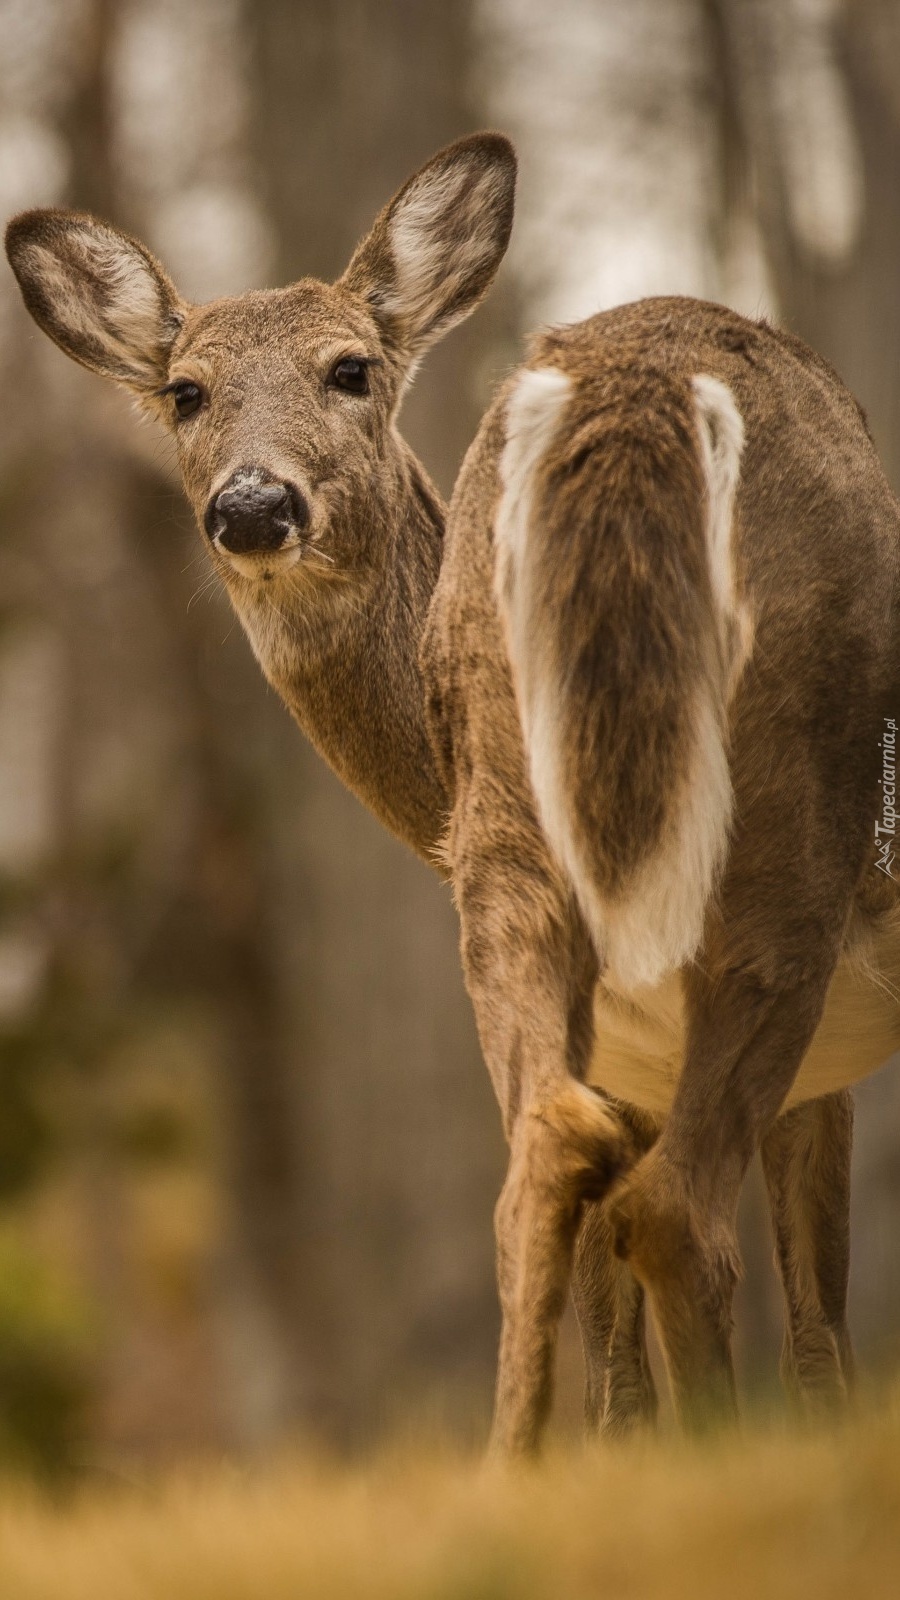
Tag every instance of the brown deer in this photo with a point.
(634, 694)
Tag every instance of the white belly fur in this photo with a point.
(640, 1039)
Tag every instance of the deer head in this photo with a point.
(281, 401)
(322, 525)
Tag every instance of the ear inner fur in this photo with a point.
(433, 252)
(100, 295)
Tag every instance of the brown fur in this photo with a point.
(387, 644)
(627, 448)
(804, 729)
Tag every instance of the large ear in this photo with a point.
(100, 295)
(433, 252)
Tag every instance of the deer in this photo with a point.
(633, 694)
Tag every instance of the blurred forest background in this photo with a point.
(248, 1151)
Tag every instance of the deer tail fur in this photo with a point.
(616, 587)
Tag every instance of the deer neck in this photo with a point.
(348, 668)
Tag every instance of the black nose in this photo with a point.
(253, 513)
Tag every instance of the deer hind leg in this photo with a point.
(806, 1162)
(566, 1145)
(674, 1214)
(619, 1393)
(530, 971)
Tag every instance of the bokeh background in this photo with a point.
(248, 1150)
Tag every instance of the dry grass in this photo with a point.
(762, 1517)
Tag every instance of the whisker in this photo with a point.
(205, 588)
(319, 555)
(195, 560)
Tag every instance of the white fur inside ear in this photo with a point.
(442, 234)
(101, 291)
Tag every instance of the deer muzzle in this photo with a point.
(255, 514)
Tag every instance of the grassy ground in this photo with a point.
(760, 1517)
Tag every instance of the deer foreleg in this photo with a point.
(530, 970)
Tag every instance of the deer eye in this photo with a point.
(188, 398)
(351, 375)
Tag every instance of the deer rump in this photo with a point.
(627, 634)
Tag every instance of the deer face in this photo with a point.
(281, 405)
(282, 401)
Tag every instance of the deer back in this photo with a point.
(667, 616)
